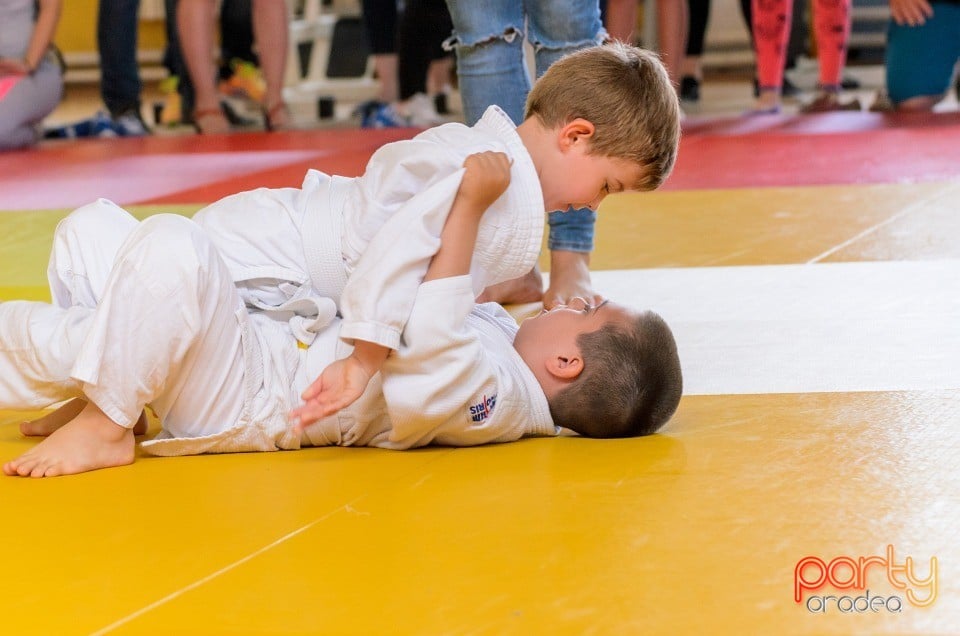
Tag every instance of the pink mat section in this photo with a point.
(836, 148)
(177, 169)
(136, 179)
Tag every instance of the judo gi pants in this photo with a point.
(142, 313)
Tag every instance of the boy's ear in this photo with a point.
(576, 131)
(565, 366)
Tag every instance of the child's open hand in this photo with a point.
(339, 386)
(487, 177)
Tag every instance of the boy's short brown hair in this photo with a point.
(625, 92)
(630, 384)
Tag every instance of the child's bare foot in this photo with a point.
(44, 426)
(526, 289)
(89, 441)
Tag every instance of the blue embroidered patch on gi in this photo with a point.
(483, 410)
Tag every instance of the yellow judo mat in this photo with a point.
(809, 483)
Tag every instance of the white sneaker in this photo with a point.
(130, 124)
(421, 111)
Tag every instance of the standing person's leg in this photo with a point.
(424, 25)
(831, 25)
(170, 291)
(380, 22)
(691, 69)
(195, 22)
(176, 64)
(120, 85)
(672, 21)
(771, 29)
(414, 40)
(488, 39)
(439, 82)
(796, 43)
(620, 19)
(270, 30)
(555, 31)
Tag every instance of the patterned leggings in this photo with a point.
(771, 29)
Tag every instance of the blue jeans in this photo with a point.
(120, 84)
(571, 231)
(488, 37)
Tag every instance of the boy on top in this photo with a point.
(149, 313)
(601, 120)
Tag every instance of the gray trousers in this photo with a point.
(26, 104)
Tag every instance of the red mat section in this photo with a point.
(837, 148)
(178, 169)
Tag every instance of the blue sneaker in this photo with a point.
(374, 114)
(100, 125)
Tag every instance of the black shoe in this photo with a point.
(849, 83)
(689, 88)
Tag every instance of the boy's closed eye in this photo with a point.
(594, 309)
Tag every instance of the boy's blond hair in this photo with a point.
(624, 91)
(630, 384)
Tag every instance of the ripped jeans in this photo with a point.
(488, 37)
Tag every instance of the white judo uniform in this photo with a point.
(362, 245)
(221, 323)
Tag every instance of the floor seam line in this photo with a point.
(870, 230)
(206, 579)
(347, 507)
